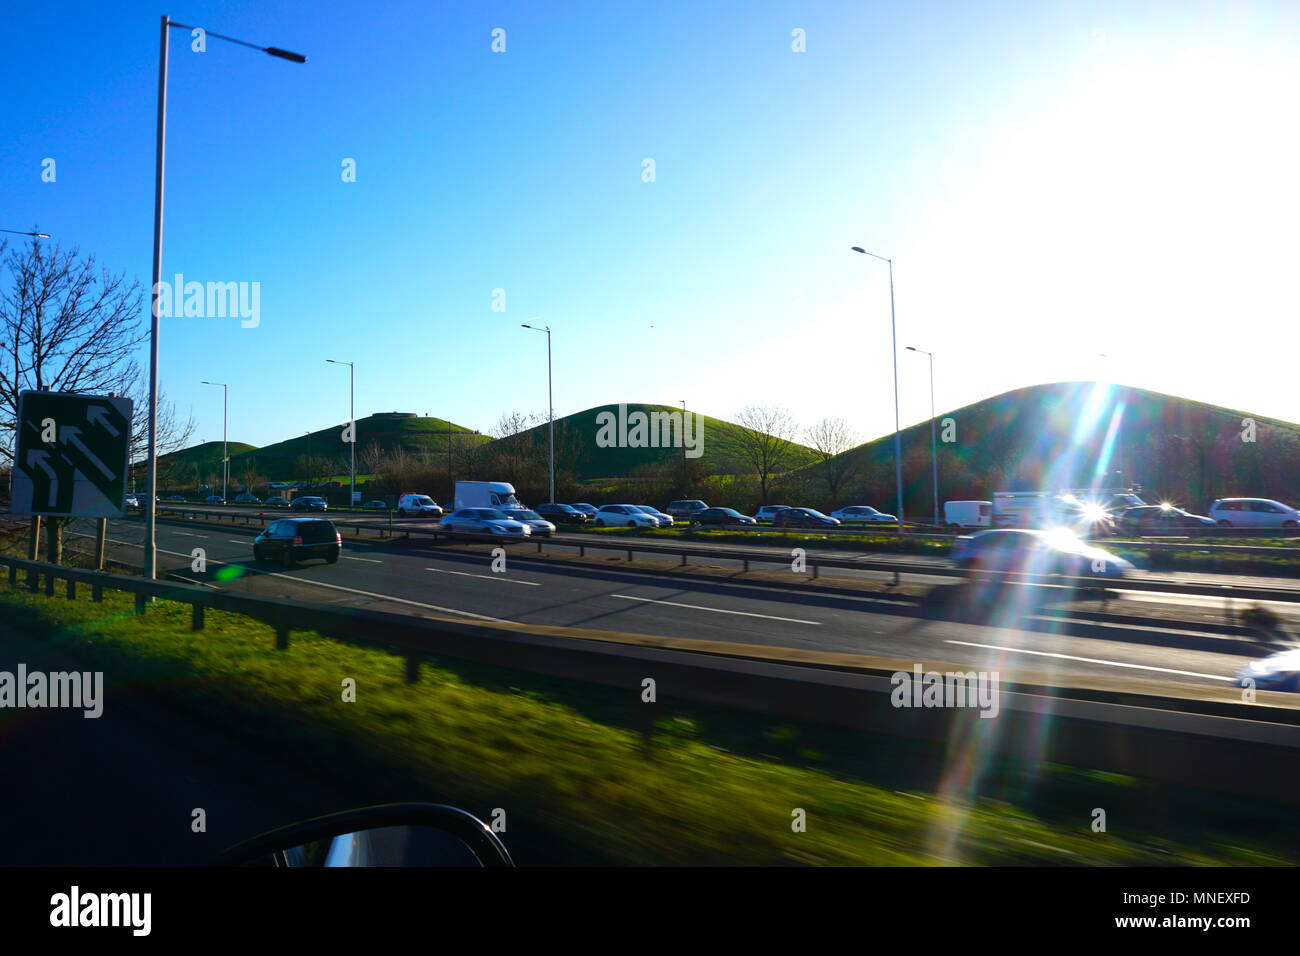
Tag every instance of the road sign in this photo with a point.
(72, 455)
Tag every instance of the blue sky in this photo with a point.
(1055, 182)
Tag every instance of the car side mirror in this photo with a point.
(396, 834)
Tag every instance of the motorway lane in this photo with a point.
(611, 595)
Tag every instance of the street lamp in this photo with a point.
(150, 530)
(352, 427)
(898, 441)
(36, 235)
(550, 400)
(934, 442)
(225, 447)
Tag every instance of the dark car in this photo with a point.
(214, 500)
(290, 540)
(1160, 519)
(803, 518)
(685, 509)
(308, 503)
(720, 516)
(276, 500)
(375, 505)
(562, 514)
(589, 510)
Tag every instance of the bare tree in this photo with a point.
(829, 438)
(763, 441)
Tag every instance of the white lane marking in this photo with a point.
(488, 577)
(716, 610)
(348, 557)
(1091, 660)
(187, 534)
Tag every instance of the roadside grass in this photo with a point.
(576, 779)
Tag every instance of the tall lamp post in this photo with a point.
(550, 400)
(934, 442)
(225, 447)
(898, 441)
(352, 427)
(34, 235)
(150, 530)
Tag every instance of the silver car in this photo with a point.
(485, 522)
(665, 520)
(863, 514)
(536, 523)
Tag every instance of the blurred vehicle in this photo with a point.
(375, 505)
(863, 514)
(535, 522)
(803, 518)
(247, 499)
(665, 520)
(1160, 519)
(683, 509)
(968, 514)
(418, 506)
(563, 514)
(174, 498)
(214, 500)
(766, 512)
(277, 500)
(1279, 672)
(589, 510)
(296, 539)
(487, 522)
(1024, 551)
(1253, 513)
(131, 503)
(624, 516)
(308, 503)
(720, 516)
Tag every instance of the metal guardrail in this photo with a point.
(1205, 750)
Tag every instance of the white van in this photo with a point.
(968, 514)
(417, 505)
(486, 494)
(1253, 513)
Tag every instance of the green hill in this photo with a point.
(1077, 435)
(603, 442)
(205, 454)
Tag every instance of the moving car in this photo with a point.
(1253, 513)
(290, 540)
(720, 516)
(418, 506)
(564, 514)
(536, 523)
(803, 518)
(665, 520)
(589, 510)
(1026, 551)
(766, 512)
(308, 503)
(131, 503)
(683, 509)
(486, 522)
(1280, 672)
(276, 500)
(624, 516)
(863, 514)
(247, 499)
(1160, 519)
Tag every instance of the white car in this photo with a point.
(1253, 513)
(863, 514)
(418, 506)
(485, 522)
(536, 523)
(628, 516)
(665, 520)
(765, 513)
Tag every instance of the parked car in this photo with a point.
(290, 540)
(1027, 551)
(1253, 513)
(862, 514)
(247, 499)
(589, 510)
(720, 516)
(683, 510)
(277, 501)
(624, 516)
(803, 518)
(375, 505)
(486, 522)
(563, 514)
(417, 506)
(1160, 519)
(308, 503)
(766, 512)
(665, 520)
(1279, 672)
(535, 522)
